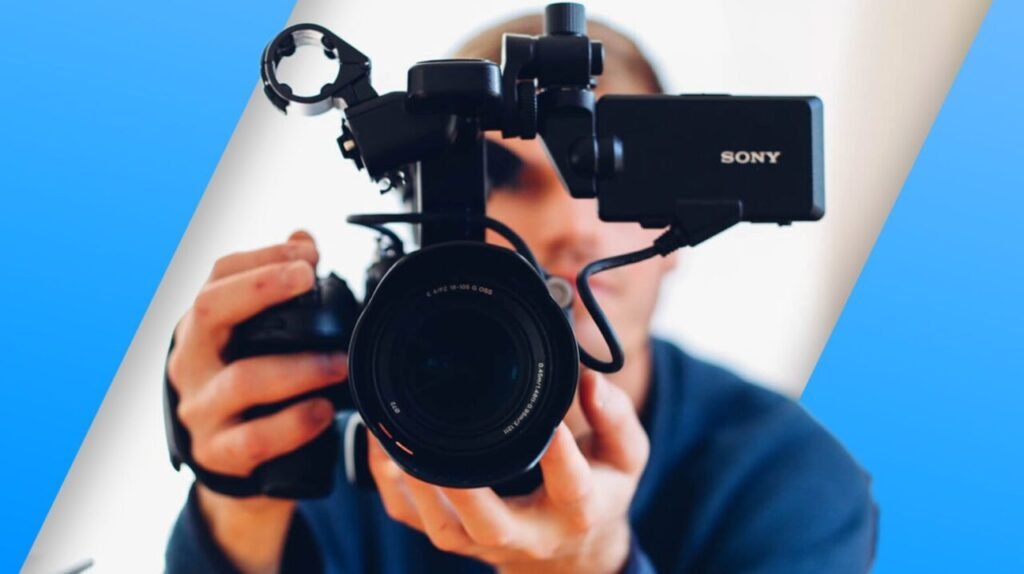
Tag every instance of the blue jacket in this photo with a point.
(740, 480)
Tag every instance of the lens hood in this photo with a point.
(462, 365)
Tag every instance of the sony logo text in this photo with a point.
(745, 157)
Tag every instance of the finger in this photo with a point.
(297, 248)
(440, 523)
(486, 518)
(619, 438)
(302, 235)
(568, 481)
(226, 302)
(393, 492)
(189, 366)
(240, 448)
(270, 379)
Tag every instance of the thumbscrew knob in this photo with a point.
(565, 18)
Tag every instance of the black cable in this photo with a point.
(600, 319)
(377, 219)
(663, 245)
(668, 242)
(397, 245)
(395, 239)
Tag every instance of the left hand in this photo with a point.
(578, 521)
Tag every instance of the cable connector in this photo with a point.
(699, 220)
(673, 239)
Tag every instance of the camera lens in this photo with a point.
(461, 369)
(462, 365)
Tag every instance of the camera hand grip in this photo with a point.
(319, 321)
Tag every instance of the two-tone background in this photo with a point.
(137, 149)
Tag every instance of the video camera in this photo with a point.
(463, 359)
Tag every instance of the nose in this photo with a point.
(571, 233)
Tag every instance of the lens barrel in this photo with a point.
(462, 364)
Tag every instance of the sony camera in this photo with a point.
(462, 358)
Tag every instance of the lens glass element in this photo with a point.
(462, 370)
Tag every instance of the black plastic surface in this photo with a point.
(673, 152)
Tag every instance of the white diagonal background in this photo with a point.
(760, 299)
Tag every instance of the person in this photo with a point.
(670, 465)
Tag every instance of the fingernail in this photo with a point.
(300, 235)
(320, 411)
(334, 363)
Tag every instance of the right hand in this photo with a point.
(213, 394)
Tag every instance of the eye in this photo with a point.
(504, 168)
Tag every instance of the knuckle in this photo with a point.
(202, 455)
(413, 524)
(445, 538)
(495, 538)
(637, 453)
(584, 519)
(176, 369)
(252, 446)
(617, 401)
(393, 510)
(406, 516)
(540, 551)
(577, 493)
(233, 380)
(619, 411)
(643, 449)
(222, 265)
(187, 413)
(203, 306)
(181, 327)
(572, 493)
(439, 542)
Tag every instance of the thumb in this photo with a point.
(619, 438)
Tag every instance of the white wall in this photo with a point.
(760, 299)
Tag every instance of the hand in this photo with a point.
(578, 521)
(213, 395)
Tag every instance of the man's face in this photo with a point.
(565, 234)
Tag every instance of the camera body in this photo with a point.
(462, 359)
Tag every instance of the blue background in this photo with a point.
(923, 377)
(114, 115)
